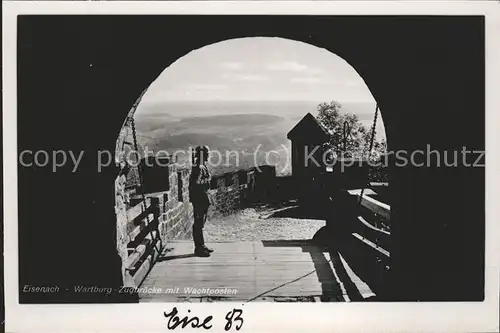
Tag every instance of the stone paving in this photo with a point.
(254, 224)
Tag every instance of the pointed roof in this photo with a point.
(309, 127)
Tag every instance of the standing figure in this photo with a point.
(199, 184)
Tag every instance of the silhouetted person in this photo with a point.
(199, 184)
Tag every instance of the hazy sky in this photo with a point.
(259, 68)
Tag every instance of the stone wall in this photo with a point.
(176, 211)
(121, 226)
(228, 193)
(235, 190)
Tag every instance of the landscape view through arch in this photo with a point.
(242, 96)
(260, 105)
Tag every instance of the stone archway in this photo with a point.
(409, 65)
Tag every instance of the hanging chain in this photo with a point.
(139, 171)
(131, 123)
(347, 130)
(372, 139)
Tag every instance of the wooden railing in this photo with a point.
(369, 211)
(144, 243)
(360, 234)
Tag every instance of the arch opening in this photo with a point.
(244, 103)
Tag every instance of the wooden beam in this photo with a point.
(378, 184)
(143, 233)
(139, 252)
(367, 191)
(374, 205)
(367, 224)
(143, 270)
(141, 226)
(134, 212)
(372, 245)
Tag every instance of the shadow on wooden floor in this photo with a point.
(361, 266)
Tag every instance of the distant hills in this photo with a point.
(182, 109)
(232, 120)
(249, 128)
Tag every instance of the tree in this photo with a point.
(348, 136)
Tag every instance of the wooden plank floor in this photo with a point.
(250, 271)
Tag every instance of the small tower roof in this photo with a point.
(309, 128)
